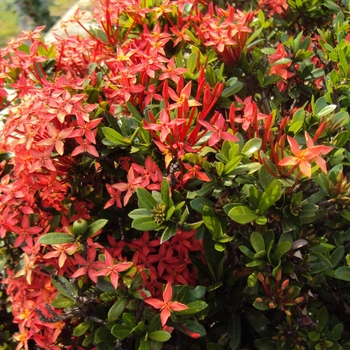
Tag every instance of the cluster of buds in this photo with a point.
(159, 213)
(278, 295)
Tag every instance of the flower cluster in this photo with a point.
(180, 170)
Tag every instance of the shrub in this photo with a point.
(177, 179)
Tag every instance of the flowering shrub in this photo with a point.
(177, 179)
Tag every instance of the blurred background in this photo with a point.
(18, 15)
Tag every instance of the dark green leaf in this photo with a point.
(116, 310)
(343, 273)
(199, 203)
(234, 331)
(193, 308)
(120, 331)
(134, 112)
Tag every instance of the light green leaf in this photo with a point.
(81, 329)
(56, 238)
(146, 224)
(242, 214)
(115, 137)
(271, 195)
(160, 336)
(212, 222)
(95, 227)
(257, 242)
(145, 199)
(169, 232)
(251, 146)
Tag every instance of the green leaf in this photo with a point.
(120, 331)
(191, 326)
(231, 165)
(212, 222)
(56, 238)
(144, 344)
(81, 328)
(200, 202)
(258, 321)
(242, 214)
(281, 249)
(129, 320)
(193, 308)
(140, 213)
(114, 137)
(169, 232)
(257, 242)
(165, 194)
(265, 344)
(6, 156)
(246, 251)
(146, 200)
(314, 336)
(232, 89)
(337, 256)
(60, 281)
(146, 224)
(234, 331)
(343, 64)
(327, 110)
(134, 112)
(95, 227)
(160, 336)
(251, 146)
(61, 302)
(116, 310)
(271, 195)
(322, 318)
(343, 273)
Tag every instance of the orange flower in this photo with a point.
(166, 305)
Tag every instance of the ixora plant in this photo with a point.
(178, 179)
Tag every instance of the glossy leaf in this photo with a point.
(56, 238)
(160, 336)
(242, 214)
(271, 195)
(120, 331)
(81, 329)
(95, 227)
(117, 309)
(146, 200)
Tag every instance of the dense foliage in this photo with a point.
(178, 179)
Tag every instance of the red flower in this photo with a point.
(108, 268)
(166, 305)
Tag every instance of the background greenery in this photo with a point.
(9, 19)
